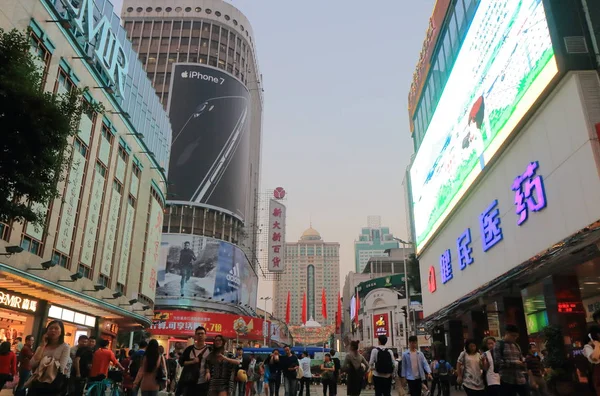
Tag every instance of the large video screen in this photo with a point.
(210, 151)
(505, 63)
(195, 266)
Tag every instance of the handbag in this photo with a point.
(299, 373)
(47, 375)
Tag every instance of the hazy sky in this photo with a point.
(336, 75)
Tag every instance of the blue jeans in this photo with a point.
(289, 384)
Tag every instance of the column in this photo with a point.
(563, 304)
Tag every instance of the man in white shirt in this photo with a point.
(384, 368)
(307, 375)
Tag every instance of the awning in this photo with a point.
(38, 287)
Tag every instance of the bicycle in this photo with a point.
(99, 388)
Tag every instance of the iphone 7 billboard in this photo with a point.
(210, 152)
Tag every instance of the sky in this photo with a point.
(336, 75)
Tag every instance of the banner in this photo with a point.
(184, 324)
(276, 236)
(381, 325)
(155, 220)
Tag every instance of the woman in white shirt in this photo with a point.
(492, 378)
(306, 376)
(470, 370)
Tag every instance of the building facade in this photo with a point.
(311, 266)
(216, 39)
(93, 264)
(373, 241)
(503, 220)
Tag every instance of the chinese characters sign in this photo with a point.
(184, 323)
(530, 196)
(126, 244)
(381, 325)
(93, 217)
(276, 236)
(111, 232)
(17, 301)
(152, 249)
(71, 203)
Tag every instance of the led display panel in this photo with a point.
(505, 63)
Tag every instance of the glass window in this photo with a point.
(447, 49)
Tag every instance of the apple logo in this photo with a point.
(184, 74)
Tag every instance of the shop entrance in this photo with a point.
(14, 324)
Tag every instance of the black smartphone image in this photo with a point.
(210, 156)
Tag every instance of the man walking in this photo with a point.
(307, 376)
(383, 365)
(415, 369)
(338, 367)
(186, 258)
(289, 367)
(274, 364)
(193, 361)
(25, 365)
(509, 363)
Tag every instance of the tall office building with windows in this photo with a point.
(311, 266)
(373, 241)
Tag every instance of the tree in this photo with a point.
(37, 127)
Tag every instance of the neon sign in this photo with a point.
(17, 301)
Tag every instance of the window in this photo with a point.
(63, 82)
(43, 57)
(85, 271)
(104, 280)
(4, 231)
(60, 259)
(31, 245)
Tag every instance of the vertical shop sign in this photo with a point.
(111, 231)
(71, 202)
(126, 244)
(93, 217)
(152, 249)
(276, 234)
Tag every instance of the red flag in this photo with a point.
(287, 309)
(304, 308)
(324, 304)
(357, 308)
(338, 319)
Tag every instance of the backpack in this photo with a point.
(442, 370)
(136, 363)
(385, 363)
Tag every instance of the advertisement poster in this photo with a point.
(210, 152)
(381, 325)
(504, 65)
(184, 324)
(196, 266)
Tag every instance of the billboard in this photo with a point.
(210, 151)
(184, 323)
(505, 63)
(276, 236)
(381, 325)
(195, 266)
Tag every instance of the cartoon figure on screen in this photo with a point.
(476, 135)
(380, 322)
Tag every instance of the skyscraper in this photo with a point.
(311, 266)
(372, 242)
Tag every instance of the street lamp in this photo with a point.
(265, 324)
(404, 243)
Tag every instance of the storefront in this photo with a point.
(76, 323)
(17, 313)
(175, 329)
(522, 247)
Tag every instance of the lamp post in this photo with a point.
(404, 243)
(265, 324)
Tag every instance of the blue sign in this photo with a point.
(463, 246)
(489, 222)
(530, 194)
(446, 266)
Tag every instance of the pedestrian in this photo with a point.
(328, 375)
(383, 366)
(470, 369)
(152, 375)
(252, 376)
(81, 365)
(306, 374)
(274, 366)
(535, 371)
(259, 382)
(136, 360)
(592, 352)
(8, 364)
(102, 360)
(53, 350)
(338, 366)
(172, 367)
(289, 368)
(415, 369)
(266, 377)
(192, 380)
(25, 365)
(355, 366)
(435, 382)
(444, 371)
(220, 367)
(127, 378)
(509, 363)
(492, 378)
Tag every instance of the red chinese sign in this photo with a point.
(432, 282)
(276, 236)
(570, 307)
(381, 325)
(184, 324)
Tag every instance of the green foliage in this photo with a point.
(414, 274)
(36, 131)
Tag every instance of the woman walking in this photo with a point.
(355, 366)
(492, 378)
(53, 352)
(470, 370)
(328, 376)
(220, 369)
(8, 364)
(152, 375)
